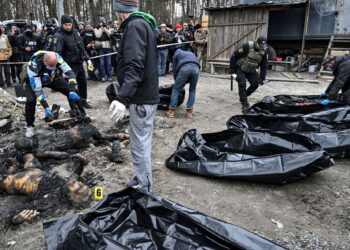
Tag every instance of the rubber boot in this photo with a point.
(116, 155)
(245, 107)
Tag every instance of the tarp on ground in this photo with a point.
(334, 137)
(291, 105)
(130, 219)
(249, 155)
(164, 95)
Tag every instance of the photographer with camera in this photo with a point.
(115, 41)
(89, 38)
(189, 36)
(103, 36)
(48, 40)
(163, 38)
(179, 37)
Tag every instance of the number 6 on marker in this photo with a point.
(98, 193)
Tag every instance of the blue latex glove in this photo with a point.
(48, 113)
(73, 97)
(325, 102)
(322, 95)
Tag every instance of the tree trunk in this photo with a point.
(52, 12)
(59, 9)
(78, 9)
(94, 11)
(183, 10)
(187, 10)
(18, 13)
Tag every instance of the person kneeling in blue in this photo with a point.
(44, 70)
(186, 70)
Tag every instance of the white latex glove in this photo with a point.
(89, 62)
(234, 76)
(118, 111)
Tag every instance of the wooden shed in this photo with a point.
(230, 27)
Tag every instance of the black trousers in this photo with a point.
(92, 74)
(253, 79)
(114, 64)
(15, 68)
(346, 92)
(59, 85)
(81, 79)
(6, 69)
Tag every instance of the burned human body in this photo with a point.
(26, 172)
(64, 144)
(46, 192)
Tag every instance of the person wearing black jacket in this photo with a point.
(138, 77)
(243, 64)
(48, 40)
(14, 40)
(163, 38)
(71, 47)
(340, 65)
(29, 43)
(89, 38)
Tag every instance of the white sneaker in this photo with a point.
(30, 132)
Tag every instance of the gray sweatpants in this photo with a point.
(141, 130)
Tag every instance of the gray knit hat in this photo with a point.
(127, 6)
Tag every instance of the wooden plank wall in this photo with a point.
(229, 25)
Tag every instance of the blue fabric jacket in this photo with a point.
(182, 58)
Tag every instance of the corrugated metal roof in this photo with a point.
(253, 2)
(260, 3)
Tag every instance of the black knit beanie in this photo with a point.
(66, 19)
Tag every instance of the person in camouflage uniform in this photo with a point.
(200, 45)
(244, 63)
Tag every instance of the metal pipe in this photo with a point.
(306, 24)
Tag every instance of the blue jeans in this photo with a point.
(105, 63)
(162, 57)
(187, 74)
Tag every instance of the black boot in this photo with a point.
(86, 104)
(245, 107)
(116, 155)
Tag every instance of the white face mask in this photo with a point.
(49, 67)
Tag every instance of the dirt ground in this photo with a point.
(315, 212)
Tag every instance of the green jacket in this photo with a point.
(200, 40)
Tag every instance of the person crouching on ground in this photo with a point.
(43, 71)
(186, 70)
(340, 66)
